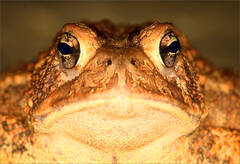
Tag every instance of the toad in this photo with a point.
(106, 93)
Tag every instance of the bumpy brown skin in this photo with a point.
(22, 94)
(222, 95)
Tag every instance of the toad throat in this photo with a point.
(117, 124)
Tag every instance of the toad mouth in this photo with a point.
(118, 123)
(118, 107)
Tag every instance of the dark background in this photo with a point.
(28, 27)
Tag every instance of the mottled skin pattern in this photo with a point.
(222, 90)
(199, 104)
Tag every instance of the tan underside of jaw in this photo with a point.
(118, 124)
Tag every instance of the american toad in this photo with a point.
(120, 94)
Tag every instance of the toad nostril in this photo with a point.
(133, 62)
(109, 62)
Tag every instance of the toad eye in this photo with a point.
(69, 50)
(169, 48)
(64, 48)
(174, 47)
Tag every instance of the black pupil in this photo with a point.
(173, 47)
(64, 48)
